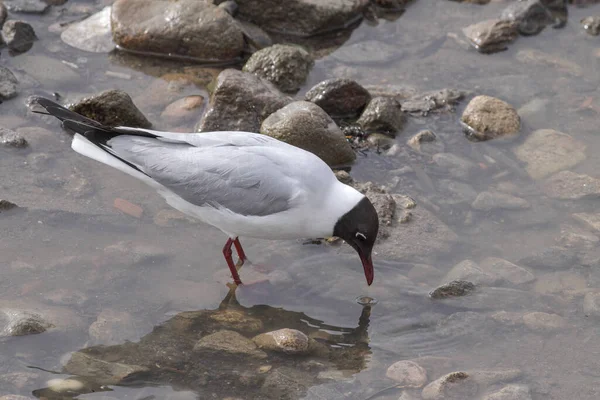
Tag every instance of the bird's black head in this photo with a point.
(359, 227)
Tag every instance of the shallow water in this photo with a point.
(57, 251)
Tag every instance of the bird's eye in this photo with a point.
(360, 236)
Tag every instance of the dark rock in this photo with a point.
(452, 289)
(6, 205)
(531, 16)
(301, 17)
(27, 6)
(551, 258)
(3, 14)
(491, 35)
(10, 138)
(286, 66)
(112, 108)
(440, 100)
(339, 97)
(488, 118)
(230, 6)
(306, 125)
(18, 35)
(194, 28)
(83, 364)
(241, 102)
(92, 34)
(19, 323)
(382, 115)
(286, 383)
(590, 24)
(229, 342)
(255, 37)
(380, 141)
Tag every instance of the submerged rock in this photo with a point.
(510, 392)
(591, 304)
(92, 34)
(442, 100)
(187, 28)
(457, 166)
(470, 271)
(229, 342)
(113, 327)
(488, 118)
(112, 108)
(532, 16)
(9, 138)
(568, 185)
(382, 115)
(19, 323)
(589, 220)
(591, 25)
(27, 6)
(491, 35)
(289, 341)
(455, 385)
(407, 374)
(339, 97)
(19, 36)
(455, 288)
(83, 364)
(3, 14)
(306, 125)
(6, 205)
(301, 17)
(489, 201)
(241, 101)
(425, 141)
(286, 66)
(539, 58)
(541, 321)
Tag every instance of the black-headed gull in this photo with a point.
(245, 184)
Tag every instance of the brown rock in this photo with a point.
(488, 118)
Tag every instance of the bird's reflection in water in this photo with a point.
(171, 355)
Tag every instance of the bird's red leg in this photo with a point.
(228, 253)
(241, 255)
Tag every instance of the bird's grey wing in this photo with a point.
(230, 177)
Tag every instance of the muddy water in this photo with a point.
(70, 252)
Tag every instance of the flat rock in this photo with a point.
(192, 28)
(286, 66)
(339, 97)
(19, 36)
(488, 201)
(538, 58)
(589, 220)
(93, 34)
(506, 270)
(8, 84)
(470, 271)
(455, 288)
(488, 118)
(113, 327)
(443, 100)
(229, 342)
(288, 341)
(27, 6)
(560, 282)
(554, 257)
(301, 17)
(591, 304)
(510, 392)
(83, 364)
(367, 52)
(382, 115)
(541, 321)
(547, 151)
(491, 35)
(112, 108)
(306, 125)
(568, 185)
(241, 101)
(407, 374)
(455, 192)
(48, 71)
(457, 166)
(10, 138)
(452, 386)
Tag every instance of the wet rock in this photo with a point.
(229, 342)
(568, 185)
(577, 239)
(19, 323)
(18, 35)
(93, 34)
(455, 288)
(306, 125)
(112, 108)
(15, 397)
(3, 14)
(382, 115)
(591, 25)
(27, 6)
(456, 166)
(286, 66)
(241, 102)
(339, 97)
(547, 151)
(425, 141)
(8, 84)
(435, 101)
(344, 177)
(538, 58)
(488, 377)
(380, 141)
(193, 28)
(488, 118)
(230, 6)
(48, 71)
(113, 327)
(255, 37)
(455, 192)
(366, 52)
(78, 186)
(407, 374)
(18, 380)
(455, 385)
(488, 201)
(551, 258)
(234, 319)
(470, 271)
(491, 35)
(532, 16)
(384, 203)
(9, 138)
(300, 17)
(541, 321)
(6, 205)
(286, 383)
(591, 304)
(510, 392)
(589, 220)
(184, 109)
(134, 253)
(560, 282)
(83, 364)
(289, 341)
(66, 297)
(506, 270)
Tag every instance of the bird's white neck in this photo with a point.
(340, 199)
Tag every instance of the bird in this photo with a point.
(243, 183)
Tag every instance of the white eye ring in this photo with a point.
(360, 235)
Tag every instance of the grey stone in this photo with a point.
(426, 141)
(468, 270)
(488, 377)
(306, 125)
(547, 151)
(454, 192)
(255, 37)
(551, 258)
(301, 17)
(489, 201)
(339, 97)
(538, 58)
(591, 25)
(382, 115)
(380, 141)
(488, 118)
(506, 270)
(442, 100)
(591, 304)
(196, 29)
(589, 220)
(452, 289)
(455, 385)
(456, 166)
(48, 71)
(83, 364)
(510, 392)
(286, 66)
(15, 397)
(112, 108)
(560, 282)
(15, 322)
(366, 53)
(9, 138)
(567, 185)
(344, 177)
(6, 205)
(229, 342)
(3, 14)
(289, 341)
(27, 6)
(532, 16)
(407, 374)
(241, 102)
(491, 35)
(286, 383)
(18, 35)
(93, 34)
(541, 321)
(113, 327)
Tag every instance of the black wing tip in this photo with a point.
(39, 104)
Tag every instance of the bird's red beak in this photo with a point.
(368, 266)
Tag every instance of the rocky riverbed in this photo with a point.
(472, 127)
